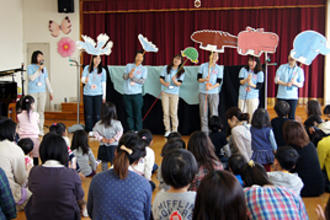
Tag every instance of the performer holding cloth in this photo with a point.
(289, 78)
(134, 78)
(210, 76)
(38, 80)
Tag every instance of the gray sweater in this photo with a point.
(115, 130)
(86, 162)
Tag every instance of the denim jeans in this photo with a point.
(92, 110)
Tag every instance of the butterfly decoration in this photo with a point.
(55, 28)
(147, 46)
(103, 45)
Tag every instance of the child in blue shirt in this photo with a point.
(263, 139)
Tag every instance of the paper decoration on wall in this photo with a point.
(66, 46)
(214, 41)
(191, 54)
(255, 41)
(55, 28)
(147, 46)
(103, 45)
(307, 45)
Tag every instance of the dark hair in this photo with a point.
(220, 196)
(236, 162)
(282, 108)
(27, 102)
(314, 108)
(123, 159)
(53, 147)
(108, 113)
(92, 65)
(57, 128)
(295, 134)
(254, 174)
(235, 111)
(139, 51)
(201, 147)
(173, 134)
(287, 157)
(26, 144)
(326, 110)
(311, 120)
(146, 136)
(260, 118)
(34, 58)
(180, 70)
(179, 168)
(215, 124)
(80, 140)
(257, 68)
(173, 144)
(7, 129)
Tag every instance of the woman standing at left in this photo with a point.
(38, 80)
(94, 79)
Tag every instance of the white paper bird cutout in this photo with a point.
(103, 45)
(147, 45)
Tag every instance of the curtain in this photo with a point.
(170, 29)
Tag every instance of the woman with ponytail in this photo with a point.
(240, 131)
(120, 193)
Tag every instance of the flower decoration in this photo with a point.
(66, 46)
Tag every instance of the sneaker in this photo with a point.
(84, 212)
(167, 133)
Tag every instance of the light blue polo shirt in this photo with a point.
(285, 73)
(93, 86)
(131, 87)
(39, 84)
(172, 89)
(216, 73)
(256, 78)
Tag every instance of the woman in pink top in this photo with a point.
(28, 121)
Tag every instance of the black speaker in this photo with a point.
(65, 6)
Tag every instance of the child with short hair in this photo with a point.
(85, 157)
(325, 126)
(286, 158)
(172, 145)
(28, 121)
(108, 132)
(179, 168)
(218, 137)
(235, 164)
(263, 140)
(27, 146)
(282, 109)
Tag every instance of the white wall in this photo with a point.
(11, 37)
(36, 16)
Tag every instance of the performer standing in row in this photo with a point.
(38, 80)
(210, 76)
(171, 79)
(289, 78)
(134, 78)
(94, 78)
(251, 78)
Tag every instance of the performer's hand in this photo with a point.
(86, 80)
(103, 100)
(131, 74)
(41, 67)
(167, 84)
(51, 97)
(289, 84)
(249, 77)
(174, 78)
(207, 78)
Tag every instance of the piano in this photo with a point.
(8, 90)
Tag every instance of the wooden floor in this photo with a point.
(158, 143)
